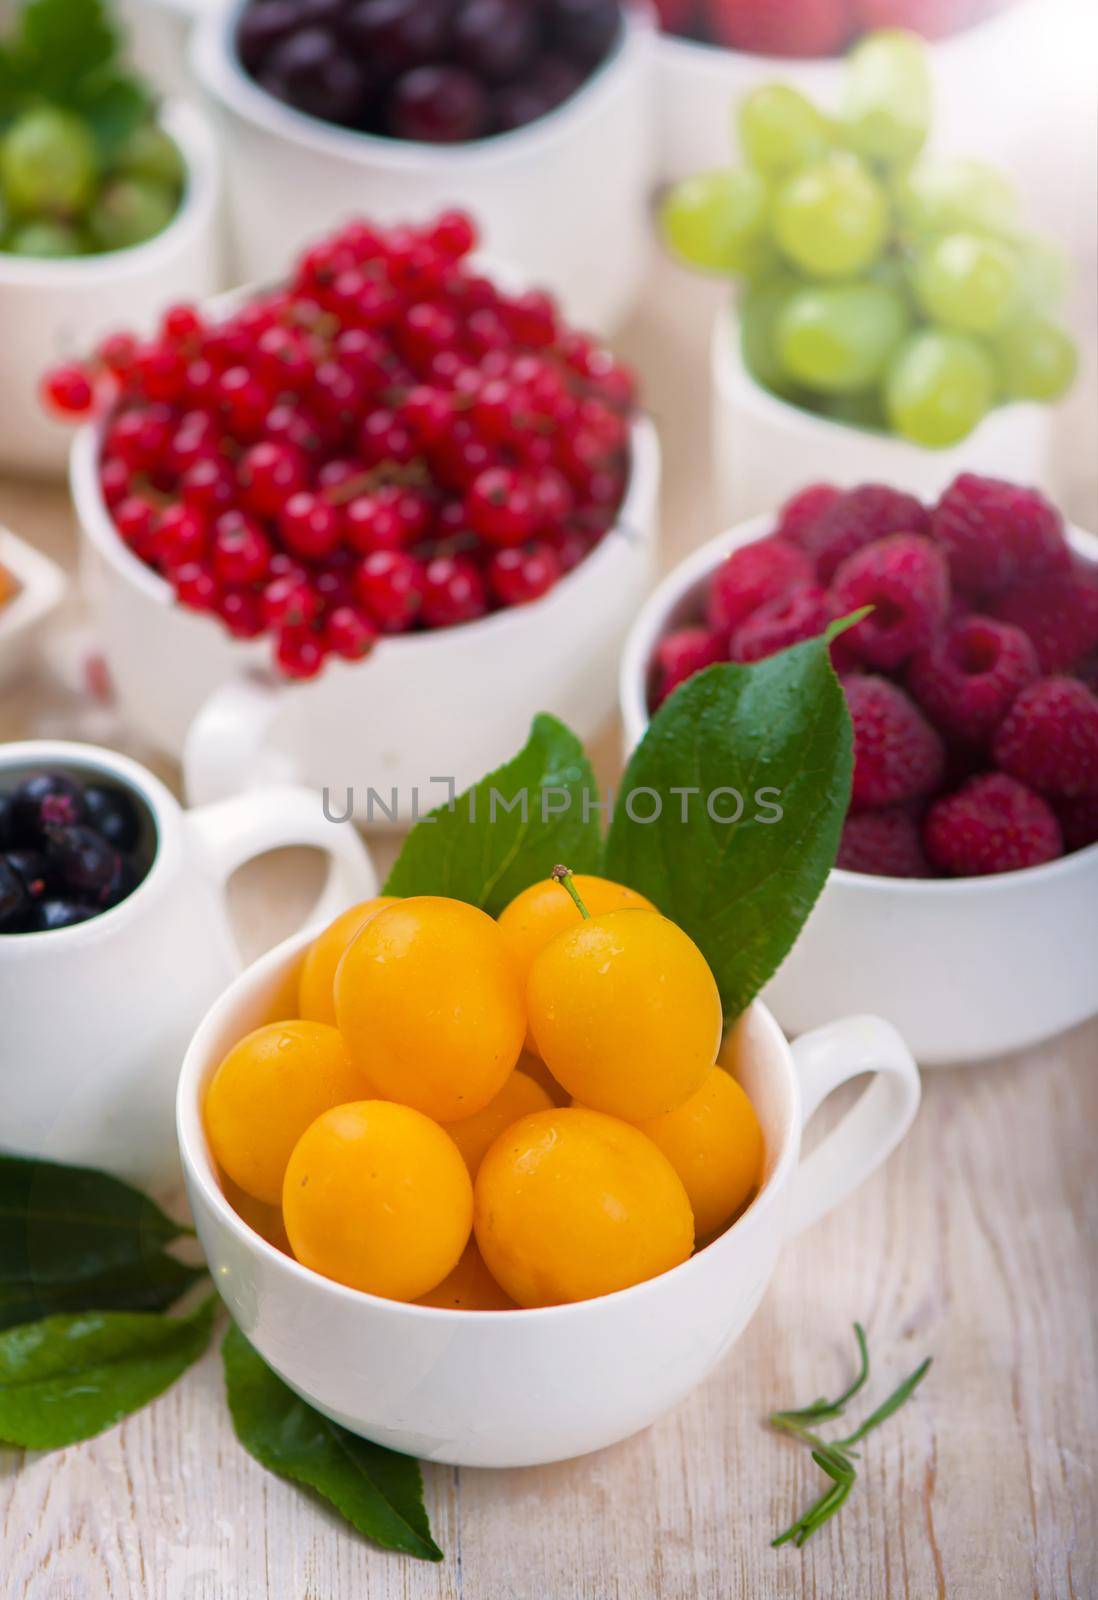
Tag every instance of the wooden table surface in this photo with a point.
(975, 1244)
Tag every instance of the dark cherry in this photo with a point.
(14, 899)
(496, 39)
(392, 36)
(584, 29)
(82, 860)
(113, 813)
(263, 26)
(53, 914)
(33, 869)
(44, 800)
(317, 76)
(438, 105)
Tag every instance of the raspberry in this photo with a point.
(996, 534)
(1060, 615)
(1087, 672)
(992, 824)
(750, 577)
(781, 27)
(885, 843)
(1079, 821)
(904, 579)
(800, 614)
(799, 514)
(1049, 738)
(967, 680)
(897, 754)
(682, 653)
(856, 519)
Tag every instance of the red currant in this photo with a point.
(389, 583)
(299, 653)
(67, 391)
(500, 506)
(269, 473)
(349, 633)
(289, 601)
(310, 526)
(453, 592)
(241, 550)
(241, 612)
(518, 576)
(181, 536)
(195, 586)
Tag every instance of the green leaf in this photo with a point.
(114, 105)
(378, 1491)
(149, 1285)
(69, 1377)
(479, 850)
(742, 889)
(63, 1225)
(62, 42)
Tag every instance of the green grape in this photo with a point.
(968, 282)
(940, 196)
(781, 130)
(863, 411)
(760, 310)
(51, 239)
(886, 98)
(831, 219)
(717, 220)
(149, 153)
(1036, 360)
(48, 163)
(128, 212)
(938, 387)
(839, 338)
(1045, 272)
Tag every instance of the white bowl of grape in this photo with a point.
(893, 310)
(532, 115)
(107, 212)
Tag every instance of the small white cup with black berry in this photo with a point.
(962, 904)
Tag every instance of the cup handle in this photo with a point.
(871, 1129)
(229, 749)
(232, 831)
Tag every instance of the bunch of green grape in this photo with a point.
(60, 196)
(882, 288)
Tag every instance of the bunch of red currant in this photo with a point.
(388, 441)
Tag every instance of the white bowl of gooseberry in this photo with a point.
(328, 109)
(50, 306)
(960, 913)
(389, 458)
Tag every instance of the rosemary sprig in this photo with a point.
(836, 1458)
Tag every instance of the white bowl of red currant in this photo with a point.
(389, 457)
(961, 907)
(52, 304)
(535, 118)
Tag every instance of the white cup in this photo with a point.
(966, 968)
(764, 448)
(565, 199)
(514, 1388)
(94, 1018)
(52, 311)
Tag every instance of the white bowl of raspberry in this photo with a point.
(763, 446)
(563, 197)
(49, 308)
(316, 500)
(962, 905)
